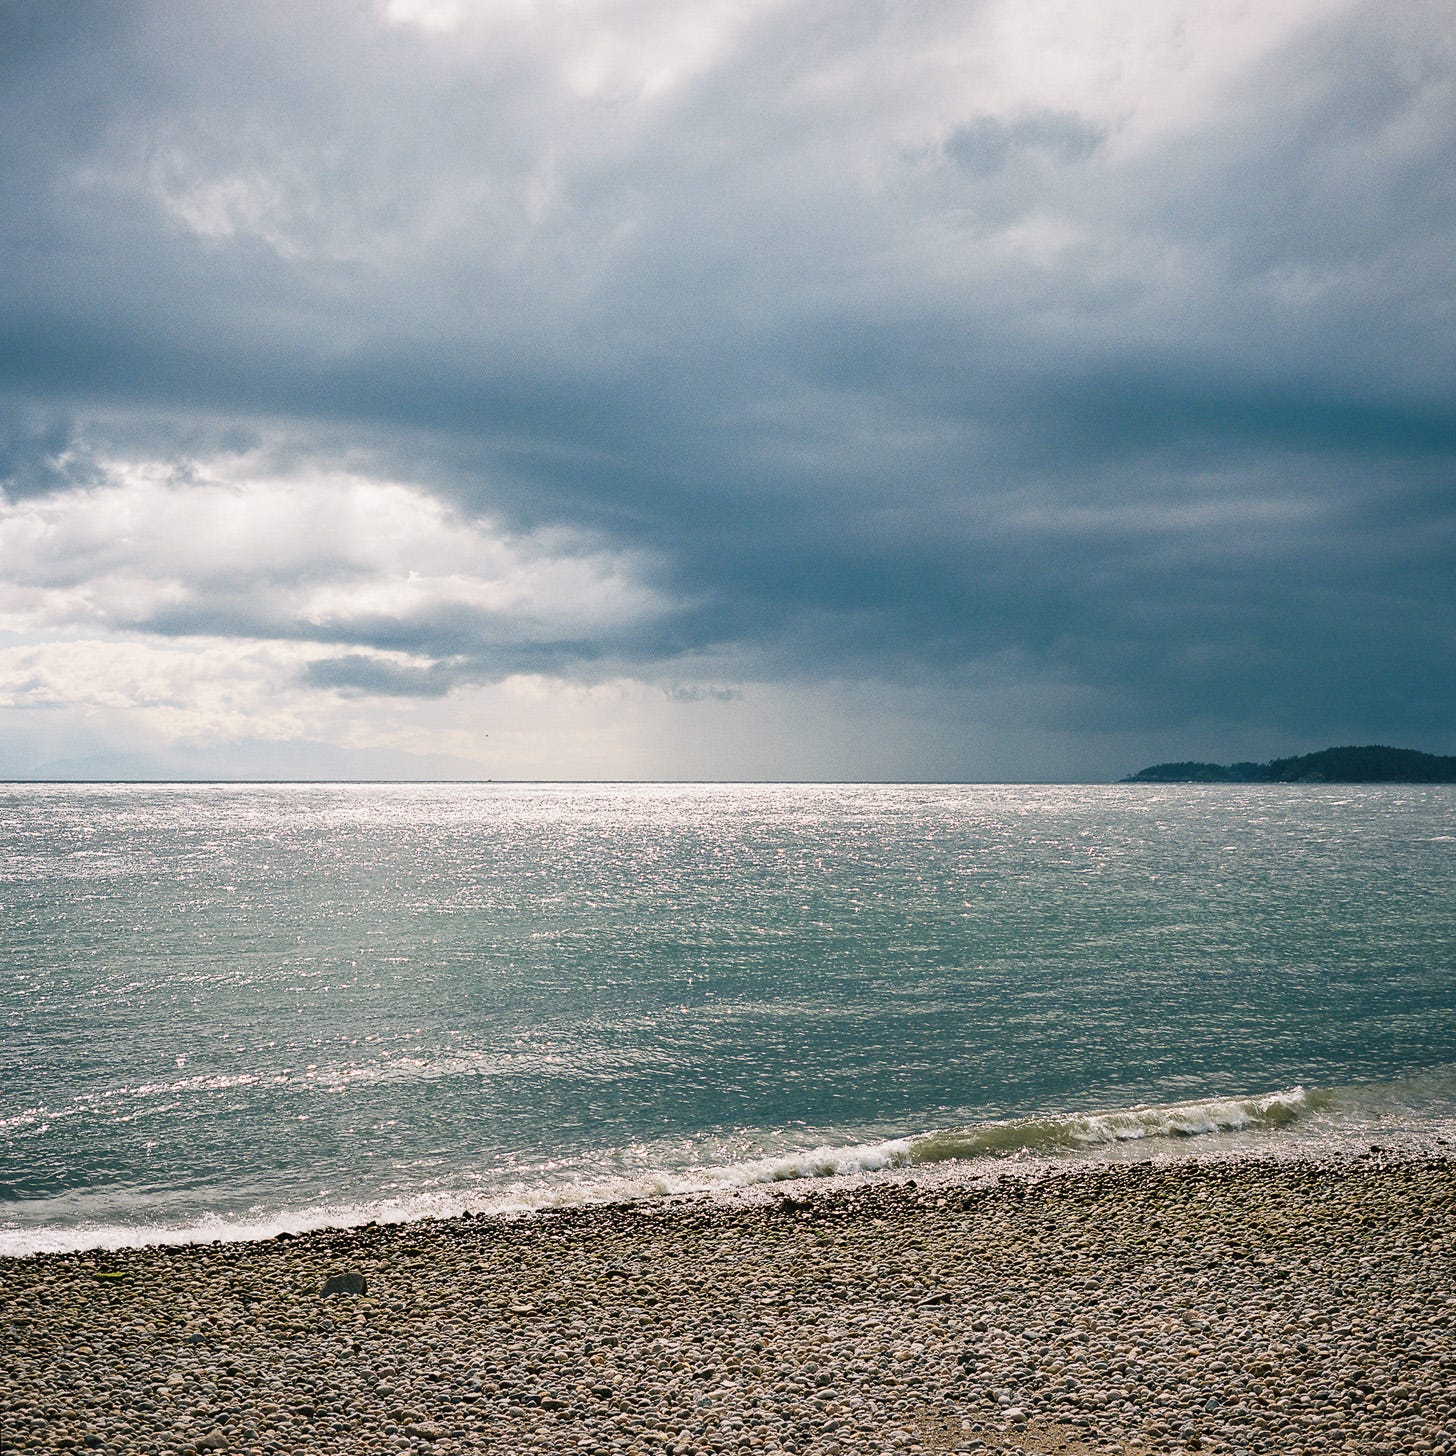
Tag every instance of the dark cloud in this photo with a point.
(40, 452)
(696, 693)
(879, 377)
(368, 675)
(990, 143)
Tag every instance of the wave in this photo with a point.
(1081, 1131)
(1030, 1138)
(392, 1068)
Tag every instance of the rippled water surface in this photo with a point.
(245, 1007)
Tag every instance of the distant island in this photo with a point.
(1369, 765)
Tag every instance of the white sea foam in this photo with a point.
(992, 1144)
(1077, 1131)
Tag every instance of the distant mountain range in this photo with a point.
(1368, 765)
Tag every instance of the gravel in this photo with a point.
(1298, 1308)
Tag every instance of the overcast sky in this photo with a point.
(724, 388)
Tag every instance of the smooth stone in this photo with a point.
(349, 1283)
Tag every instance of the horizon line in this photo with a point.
(264, 782)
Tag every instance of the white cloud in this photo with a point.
(114, 595)
(203, 695)
(199, 692)
(314, 555)
(611, 48)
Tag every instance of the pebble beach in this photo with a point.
(1251, 1305)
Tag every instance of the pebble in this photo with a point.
(1245, 1306)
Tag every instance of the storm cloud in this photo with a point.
(971, 390)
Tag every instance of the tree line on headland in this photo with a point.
(1372, 764)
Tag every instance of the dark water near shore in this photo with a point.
(231, 1009)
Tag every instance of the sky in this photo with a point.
(768, 389)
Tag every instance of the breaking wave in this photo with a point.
(1080, 1131)
(1063, 1135)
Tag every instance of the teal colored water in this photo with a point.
(229, 1009)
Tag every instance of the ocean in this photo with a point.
(231, 1010)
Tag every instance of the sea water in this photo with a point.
(227, 1010)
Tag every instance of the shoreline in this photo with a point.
(1218, 1128)
(1254, 1304)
